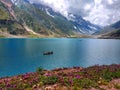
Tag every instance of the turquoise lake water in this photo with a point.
(18, 56)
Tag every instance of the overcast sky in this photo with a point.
(101, 12)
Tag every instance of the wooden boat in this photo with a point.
(48, 53)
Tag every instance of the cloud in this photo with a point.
(68, 6)
(57, 5)
(101, 12)
(104, 12)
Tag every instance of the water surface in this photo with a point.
(19, 56)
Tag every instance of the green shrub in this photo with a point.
(116, 74)
(110, 75)
(48, 80)
(51, 80)
(67, 82)
(39, 70)
(107, 76)
(84, 83)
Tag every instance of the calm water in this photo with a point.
(25, 55)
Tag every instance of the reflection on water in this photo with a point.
(25, 55)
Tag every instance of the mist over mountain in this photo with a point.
(80, 25)
(100, 12)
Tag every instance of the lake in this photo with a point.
(18, 56)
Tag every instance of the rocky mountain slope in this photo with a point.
(30, 20)
(23, 22)
(9, 26)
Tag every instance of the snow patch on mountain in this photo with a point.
(49, 13)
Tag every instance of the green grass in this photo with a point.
(3, 12)
(1, 36)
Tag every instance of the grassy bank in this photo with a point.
(76, 78)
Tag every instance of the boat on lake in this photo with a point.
(48, 53)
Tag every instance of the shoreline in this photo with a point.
(58, 38)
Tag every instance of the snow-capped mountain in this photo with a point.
(80, 25)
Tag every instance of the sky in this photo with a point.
(100, 12)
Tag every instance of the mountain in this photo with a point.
(30, 20)
(21, 18)
(115, 33)
(80, 25)
(83, 26)
(111, 31)
(9, 26)
(116, 25)
(113, 27)
(38, 22)
(111, 35)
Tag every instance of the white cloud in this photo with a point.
(110, 1)
(101, 12)
(104, 12)
(57, 5)
(87, 7)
